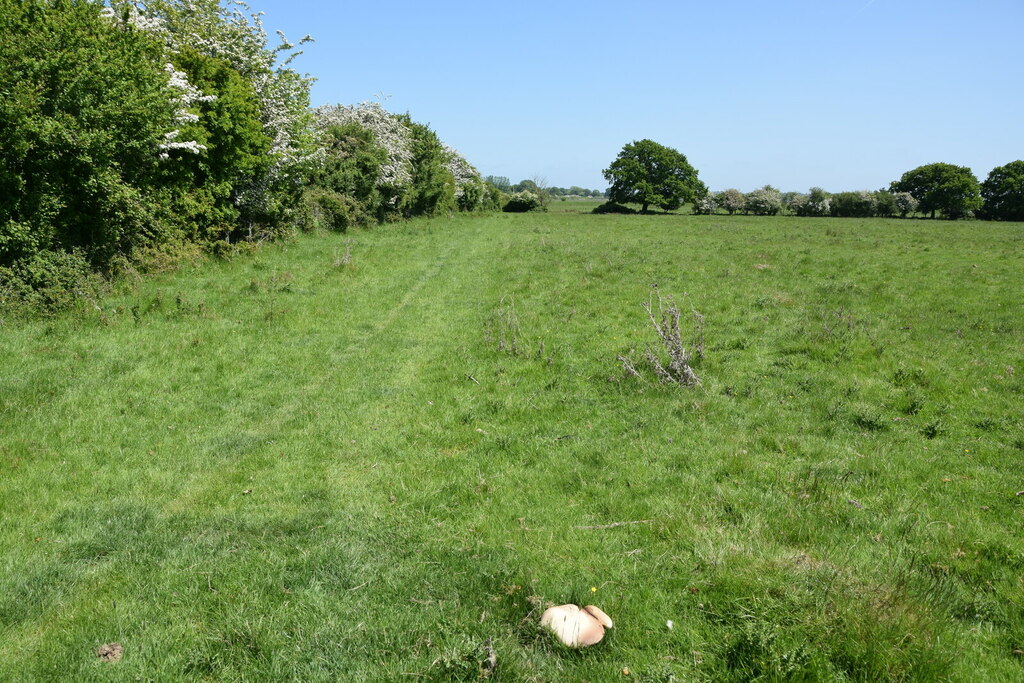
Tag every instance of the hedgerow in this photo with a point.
(129, 127)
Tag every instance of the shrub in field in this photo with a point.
(861, 204)
(47, 279)
(679, 367)
(469, 187)
(796, 204)
(766, 201)
(731, 200)
(323, 209)
(1003, 192)
(432, 185)
(816, 203)
(885, 204)
(390, 132)
(227, 152)
(905, 203)
(471, 195)
(229, 31)
(647, 173)
(521, 202)
(705, 205)
(127, 127)
(953, 190)
(612, 207)
(350, 167)
(493, 199)
(417, 175)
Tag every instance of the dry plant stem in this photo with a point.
(627, 365)
(504, 327)
(616, 524)
(666, 324)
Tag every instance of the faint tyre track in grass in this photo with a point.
(347, 374)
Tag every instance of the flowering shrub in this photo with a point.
(731, 200)
(469, 188)
(817, 203)
(705, 205)
(389, 131)
(419, 175)
(905, 203)
(83, 112)
(521, 202)
(766, 201)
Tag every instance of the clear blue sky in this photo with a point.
(845, 94)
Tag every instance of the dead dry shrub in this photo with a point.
(678, 368)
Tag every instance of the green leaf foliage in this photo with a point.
(344, 190)
(236, 148)
(952, 190)
(83, 106)
(647, 173)
(432, 191)
(1003, 192)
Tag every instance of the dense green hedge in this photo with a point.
(138, 128)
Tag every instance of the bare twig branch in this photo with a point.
(679, 369)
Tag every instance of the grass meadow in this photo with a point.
(374, 456)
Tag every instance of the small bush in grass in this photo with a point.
(50, 280)
(323, 209)
(612, 207)
(706, 205)
(766, 201)
(905, 203)
(731, 200)
(521, 202)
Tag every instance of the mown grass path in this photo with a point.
(282, 467)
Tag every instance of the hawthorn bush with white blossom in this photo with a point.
(140, 126)
(732, 200)
(131, 126)
(766, 201)
(418, 174)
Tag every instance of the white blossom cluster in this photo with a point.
(233, 32)
(463, 171)
(171, 144)
(905, 203)
(766, 201)
(705, 205)
(186, 94)
(811, 205)
(389, 131)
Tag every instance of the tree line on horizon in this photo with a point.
(503, 184)
(648, 173)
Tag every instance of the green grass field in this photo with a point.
(289, 467)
